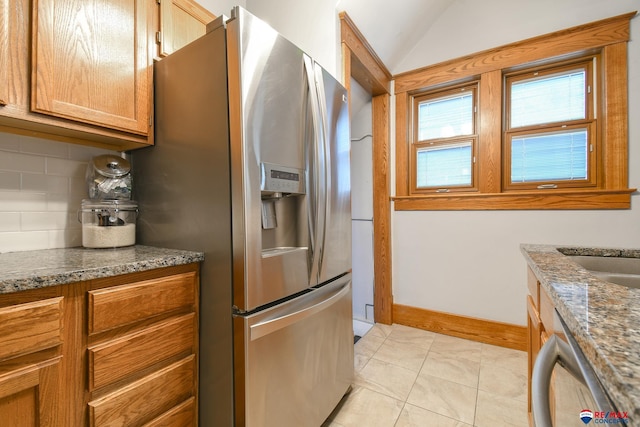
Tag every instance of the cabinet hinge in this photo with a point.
(158, 37)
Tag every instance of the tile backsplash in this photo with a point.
(42, 184)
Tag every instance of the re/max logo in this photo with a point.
(604, 417)
(610, 415)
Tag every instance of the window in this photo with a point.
(537, 124)
(445, 140)
(551, 127)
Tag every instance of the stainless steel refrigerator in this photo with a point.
(251, 166)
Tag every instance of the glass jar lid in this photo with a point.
(111, 166)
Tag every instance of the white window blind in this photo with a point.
(444, 166)
(549, 99)
(553, 156)
(445, 117)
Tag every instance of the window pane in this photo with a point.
(445, 117)
(548, 99)
(444, 166)
(549, 157)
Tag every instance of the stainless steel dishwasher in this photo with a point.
(577, 392)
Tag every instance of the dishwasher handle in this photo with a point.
(553, 351)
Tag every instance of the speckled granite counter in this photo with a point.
(20, 271)
(603, 317)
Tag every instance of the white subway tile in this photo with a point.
(65, 238)
(24, 241)
(78, 188)
(21, 162)
(9, 142)
(45, 183)
(43, 147)
(73, 221)
(42, 221)
(9, 221)
(65, 167)
(84, 154)
(10, 181)
(60, 203)
(22, 202)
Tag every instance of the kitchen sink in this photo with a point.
(618, 270)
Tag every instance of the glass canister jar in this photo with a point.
(108, 177)
(108, 223)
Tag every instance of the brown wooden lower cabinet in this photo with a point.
(115, 351)
(540, 327)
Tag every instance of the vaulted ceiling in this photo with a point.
(393, 31)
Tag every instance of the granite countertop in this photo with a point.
(21, 271)
(603, 317)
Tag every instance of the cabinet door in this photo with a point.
(181, 22)
(4, 51)
(14, 21)
(29, 396)
(534, 328)
(91, 62)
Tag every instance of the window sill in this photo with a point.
(521, 200)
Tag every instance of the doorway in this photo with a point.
(362, 209)
(362, 65)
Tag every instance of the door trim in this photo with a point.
(361, 63)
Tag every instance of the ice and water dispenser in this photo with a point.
(285, 231)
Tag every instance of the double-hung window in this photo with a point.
(445, 140)
(537, 124)
(550, 138)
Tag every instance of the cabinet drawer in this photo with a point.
(147, 399)
(183, 415)
(116, 359)
(121, 305)
(30, 327)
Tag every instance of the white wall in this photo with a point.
(469, 263)
(221, 7)
(312, 25)
(42, 184)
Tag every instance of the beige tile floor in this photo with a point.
(408, 377)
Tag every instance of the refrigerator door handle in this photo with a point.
(267, 327)
(315, 174)
(325, 167)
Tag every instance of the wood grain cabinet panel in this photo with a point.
(29, 396)
(181, 415)
(30, 327)
(181, 22)
(14, 59)
(122, 357)
(147, 398)
(81, 71)
(91, 62)
(121, 305)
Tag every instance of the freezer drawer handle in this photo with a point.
(261, 329)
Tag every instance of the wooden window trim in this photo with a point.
(443, 142)
(609, 36)
(589, 122)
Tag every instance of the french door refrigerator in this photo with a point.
(251, 167)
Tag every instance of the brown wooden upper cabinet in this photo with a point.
(181, 22)
(81, 71)
(90, 62)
